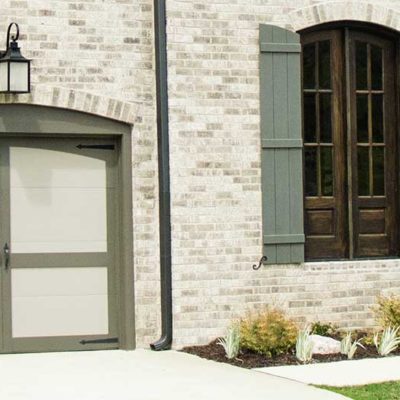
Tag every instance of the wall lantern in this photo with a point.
(15, 69)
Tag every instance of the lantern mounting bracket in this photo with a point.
(14, 38)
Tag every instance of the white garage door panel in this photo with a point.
(58, 202)
(59, 316)
(59, 302)
(58, 220)
(31, 167)
(59, 281)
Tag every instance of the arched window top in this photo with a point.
(361, 26)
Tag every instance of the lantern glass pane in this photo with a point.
(3, 76)
(18, 77)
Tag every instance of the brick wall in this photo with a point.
(102, 50)
(215, 167)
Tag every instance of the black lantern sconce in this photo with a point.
(15, 69)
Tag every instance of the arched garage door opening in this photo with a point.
(63, 211)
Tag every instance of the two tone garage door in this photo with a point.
(57, 215)
(59, 243)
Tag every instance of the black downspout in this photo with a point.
(165, 341)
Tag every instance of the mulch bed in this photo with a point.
(250, 359)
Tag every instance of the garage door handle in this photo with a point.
(6, 251)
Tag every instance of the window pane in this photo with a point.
(362, 118)
(324, 55)
(4, 76)
(19, 77)
(326, 171)
(309, 66)
(377, 118)
(310, 135)
(311, 171)
(363, 171)
(376, 68)
(379, 170)
(361, 65)
(325, 118)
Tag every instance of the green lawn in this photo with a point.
(379, 391)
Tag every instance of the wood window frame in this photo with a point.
(344, 241)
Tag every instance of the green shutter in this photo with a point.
(281, 142)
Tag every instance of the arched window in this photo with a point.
(350, 134)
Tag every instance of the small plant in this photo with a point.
(231, 342)
(268, 332)
(388, 342)
(387, 311)
(304, 346)
(318, 328)
(368, 339)
(345, 344)
(349, 348)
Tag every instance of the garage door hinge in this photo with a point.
(96, 146)
(99, 341)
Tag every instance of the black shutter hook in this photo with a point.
(262, 260)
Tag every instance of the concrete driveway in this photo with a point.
(141, 375)
(341, 373)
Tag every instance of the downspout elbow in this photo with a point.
(164, 343)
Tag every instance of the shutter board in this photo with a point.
(281, 138)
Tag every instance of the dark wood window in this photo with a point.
(349, 133)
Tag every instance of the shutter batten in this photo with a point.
(279, 48)
(281, 141)
(283, 239)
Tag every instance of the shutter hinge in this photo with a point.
(100, 341)
(96, 146)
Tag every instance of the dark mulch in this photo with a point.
(250, 359)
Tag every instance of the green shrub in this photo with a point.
(387, 311)
(318, 328)
(268, 332)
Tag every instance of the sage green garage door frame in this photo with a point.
(24, 122)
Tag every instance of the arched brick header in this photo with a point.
(72, 99)
(344, 10)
